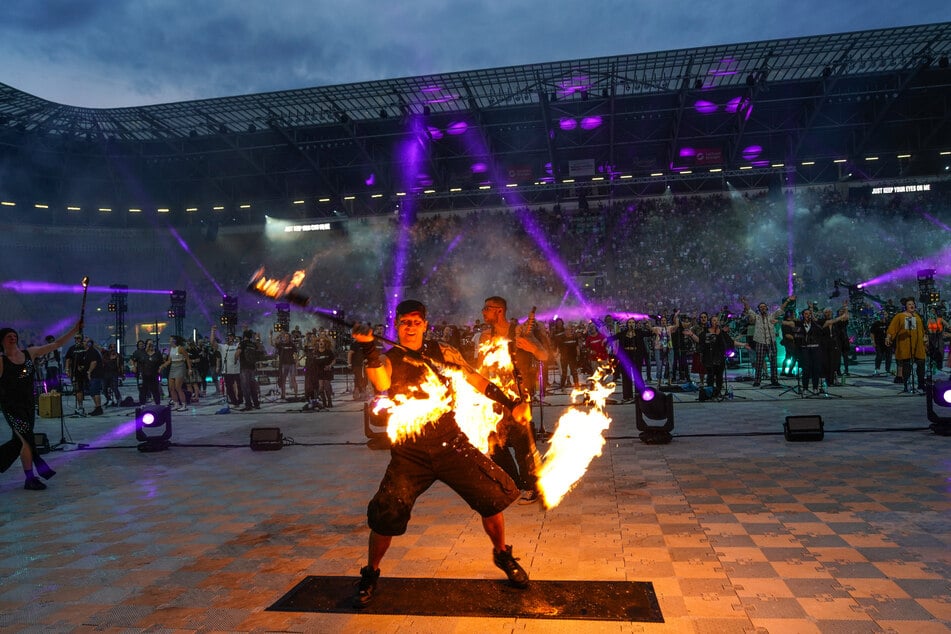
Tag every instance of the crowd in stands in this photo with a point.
(647, 256)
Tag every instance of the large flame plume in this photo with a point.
(275, 288)
(578, 438)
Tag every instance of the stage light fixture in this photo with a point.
(176, 311)
(938, 394)
(153, 427)
(229, 313)
(803, 428)
(283, 317)
(927, 291)
(652, 405)
(266, 439)
(942, 393)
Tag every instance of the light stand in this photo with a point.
(283, 318)
(795, 389)
(229, 313)
(927, 292)
(176, 312)
(118, 304)
(63, 432)
(64, 437)
(542, 433)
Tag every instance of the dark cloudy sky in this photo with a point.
(108, 53)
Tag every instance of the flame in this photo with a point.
(476, 415)
(274, 287)
(409, 413)
(576, 441)
(497, 366)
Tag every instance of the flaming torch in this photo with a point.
(82, 309)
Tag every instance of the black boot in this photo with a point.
(44, 470)
(366, 587)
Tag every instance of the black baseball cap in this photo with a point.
(410, 306)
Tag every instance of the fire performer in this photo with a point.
(439, 450)
(522, 346)
(18, 403)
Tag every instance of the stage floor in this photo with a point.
(737, 529)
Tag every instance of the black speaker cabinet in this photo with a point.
(803, 428)
(266, 439)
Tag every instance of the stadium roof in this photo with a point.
(717, 109)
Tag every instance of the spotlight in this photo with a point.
(938, 393)
(942, 393)
(153, 427)
(653, 405)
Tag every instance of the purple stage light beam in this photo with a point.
(940, 261)
(452, 246)
(29, 287)
(935, 221)
(187, 249)
(410, 164)
(790, 228)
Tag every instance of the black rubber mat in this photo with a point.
(588, 600)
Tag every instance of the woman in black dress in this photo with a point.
(18, 402)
